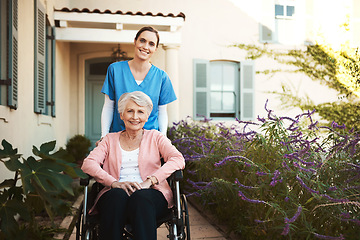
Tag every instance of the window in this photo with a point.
(44, 63)
(223, 89)
(9, 53)
(284, 10)
(279, 23)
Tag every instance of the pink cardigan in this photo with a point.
(152, 146)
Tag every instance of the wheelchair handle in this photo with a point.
(177, 175)
(85, 181)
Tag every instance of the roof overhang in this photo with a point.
(114, 28)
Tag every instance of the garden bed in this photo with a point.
(68, 223)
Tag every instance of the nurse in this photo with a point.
(137, 74)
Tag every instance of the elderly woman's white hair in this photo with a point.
(138, 97)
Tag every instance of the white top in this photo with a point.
(129, 170)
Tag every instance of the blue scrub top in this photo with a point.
(156, 85)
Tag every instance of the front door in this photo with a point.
(95, 70)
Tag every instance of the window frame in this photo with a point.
(236, 90)
(202, 91)
(285, 4)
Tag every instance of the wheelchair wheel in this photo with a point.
(88, 230)
(185, 214)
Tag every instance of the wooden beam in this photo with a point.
(109, 35)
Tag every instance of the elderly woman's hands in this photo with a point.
(131, 187)
(128, 187)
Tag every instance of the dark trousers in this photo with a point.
(141, 210)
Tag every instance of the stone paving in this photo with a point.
(200, 228)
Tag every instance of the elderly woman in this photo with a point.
(128, 164)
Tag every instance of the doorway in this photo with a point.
(95, 73)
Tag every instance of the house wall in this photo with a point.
(22, 127)
(209, 27)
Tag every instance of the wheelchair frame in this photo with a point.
(177, 222)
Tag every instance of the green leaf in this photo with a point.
(10, 208)
(47, 147)
(8, 150)
(46, 174)
(7, 183)
(13, 164)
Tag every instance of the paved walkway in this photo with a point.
(200, 228)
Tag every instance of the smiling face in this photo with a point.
(145, 45)
(134, 116)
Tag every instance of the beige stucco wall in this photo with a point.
(209, 27)
(16, 126)
(22, 127)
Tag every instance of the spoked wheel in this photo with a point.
(78, 223)
(88, 230)
(185, 215)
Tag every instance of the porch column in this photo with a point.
(172, 69)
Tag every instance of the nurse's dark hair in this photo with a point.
(150, 29)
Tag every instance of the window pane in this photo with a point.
(215, 101)
(228, 101)
(216, 77)
(229, 77)
(290, 10)
(279, 10)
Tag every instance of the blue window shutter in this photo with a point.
(13, 56)
(40, 38)
(53, 72)
(247, 90)
(201, 89)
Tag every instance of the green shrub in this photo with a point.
(78, 146)
(289, 179)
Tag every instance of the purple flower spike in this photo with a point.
(286, 230)
(335, 125)
(341, 237)
(293, 219)
(305, 186)
(274, 179)
(243, 197)
(242, 185)
(261, 173)
(261, 119)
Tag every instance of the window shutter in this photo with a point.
(53, 72)
(40, 97)
(247, 90)
(201, 87)
(13, 56)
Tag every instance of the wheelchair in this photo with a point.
(177, 222)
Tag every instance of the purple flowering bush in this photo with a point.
(276, 178)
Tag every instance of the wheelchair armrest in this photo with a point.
(85, 181)
(177, 175)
